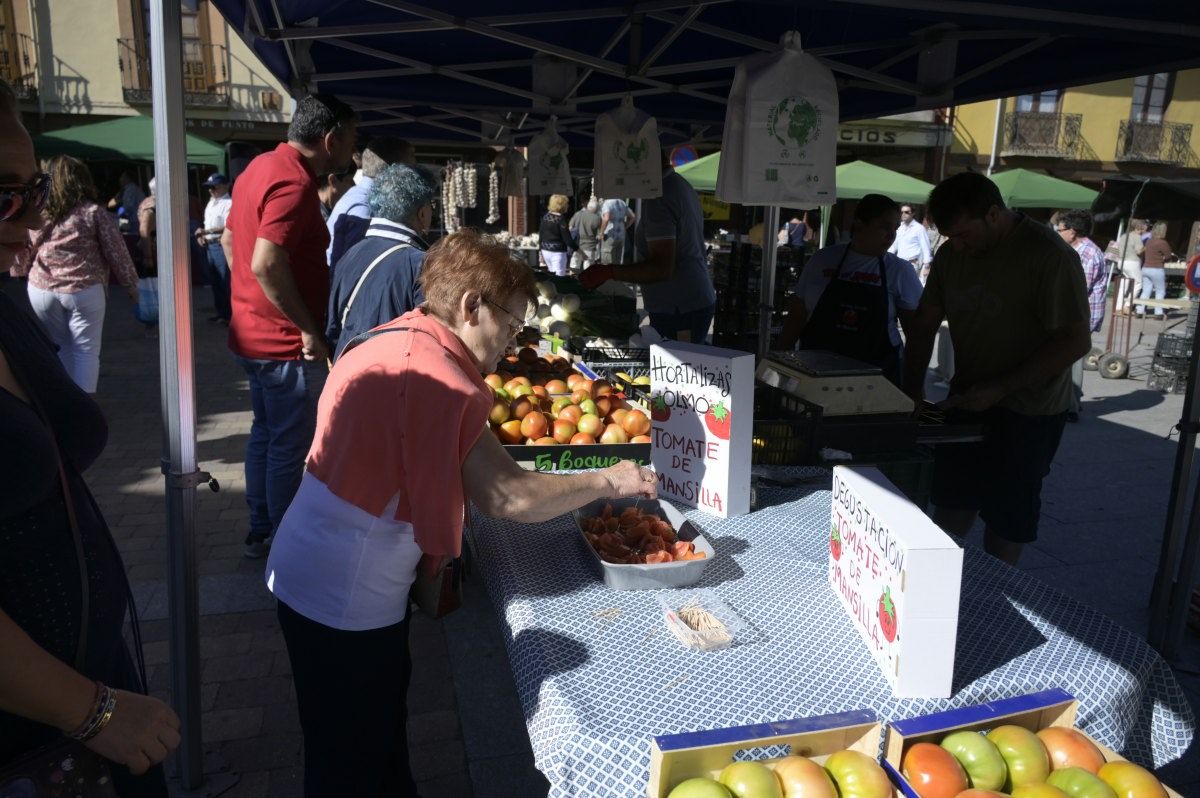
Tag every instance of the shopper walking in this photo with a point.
(615, 221)
(585, 228)
(209, 237)
(275, 242)
(554, 236)
(1075, 226)
(68, 263)
(912, 243)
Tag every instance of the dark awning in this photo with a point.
(460, 70)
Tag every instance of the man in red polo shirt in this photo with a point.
(275, 243)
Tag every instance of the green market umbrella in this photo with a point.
(702, 172)
(1022, 188)
(857, 179)
(854, 180)
(128, 139)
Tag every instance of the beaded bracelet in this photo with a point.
(102, 712)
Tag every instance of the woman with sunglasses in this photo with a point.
(401, 445)
(68, 263)
(64, 665)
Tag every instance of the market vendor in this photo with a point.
(850, 296)
(671, 266)
(401, 445)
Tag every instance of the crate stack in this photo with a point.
(1169, 368)
(736, 277)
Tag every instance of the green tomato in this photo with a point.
(751, 780)
(700, 788)
(1024, 754)
(858, 775)
(980, 757)
(1078, 783)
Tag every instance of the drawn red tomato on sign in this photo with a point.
(659, 410)
(887, 615)
(835, 542)
(717, 419)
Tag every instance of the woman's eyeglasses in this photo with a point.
(516, 325)
(15, 200)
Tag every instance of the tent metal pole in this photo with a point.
(766, 285)
(996, 136)
(826, 212)
(176, 365)
(1173, 582)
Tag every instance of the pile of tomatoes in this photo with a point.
(634, 537)
(549, 404)
(849, 774)
(1056, 762)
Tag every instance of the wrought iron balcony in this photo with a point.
(1155, 142)
(1041, 135)
(16, 65)
(205, 74)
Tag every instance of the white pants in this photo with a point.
(74, 323)
(556, 262)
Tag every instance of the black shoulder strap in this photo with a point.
(363, 337)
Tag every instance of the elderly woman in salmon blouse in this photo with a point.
(401, 446)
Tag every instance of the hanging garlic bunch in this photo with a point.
(449, 199)
(493, 195)
(470, 183)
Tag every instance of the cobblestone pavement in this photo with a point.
(1104, 508)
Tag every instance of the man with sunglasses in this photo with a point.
(912, 242)
(275, 242)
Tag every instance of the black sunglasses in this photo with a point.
(15, 200)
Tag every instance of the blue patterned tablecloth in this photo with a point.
(598, 674)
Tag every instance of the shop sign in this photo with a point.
(898, 576)
(702, 409)
(872, 136)
(713, 208)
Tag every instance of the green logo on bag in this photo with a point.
(631, 154)
(794, 118)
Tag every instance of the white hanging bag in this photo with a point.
(780, 140)
(628, 163)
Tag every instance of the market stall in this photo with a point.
(598, 673)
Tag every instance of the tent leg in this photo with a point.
(1173, 581)
(176, 365)
(826, 212)
(766, 285)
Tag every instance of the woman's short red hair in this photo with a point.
(469, 261)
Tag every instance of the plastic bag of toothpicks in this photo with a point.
(700, 620)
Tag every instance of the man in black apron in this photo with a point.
(849, 296)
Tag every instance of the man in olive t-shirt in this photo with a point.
(1013, 294)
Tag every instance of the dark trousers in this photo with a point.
(351, 690)
(218, 279)
(696, 322)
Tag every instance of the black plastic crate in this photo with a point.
(785, 428)
(1173, 346)
(617, 354)
(1166, 378)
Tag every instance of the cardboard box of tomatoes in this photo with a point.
(1015, 746)
(821, 756)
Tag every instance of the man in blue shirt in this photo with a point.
(671, 266)
(376, 280)
(348, 221)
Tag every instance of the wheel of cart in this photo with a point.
(1091, 360)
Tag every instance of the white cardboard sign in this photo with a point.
(898, 576)
(702, 409)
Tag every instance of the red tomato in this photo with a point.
(804, 778)
(635, 423)
(1024, 754)
(580, 438)
(533, 425)
(933, 771)
(563, 431)
(640, 439)
(523, 406)
(510, 432)
(718, 419)
(1068, 748)
(571, 413)
(613, 433)
(858, 775)
(1128, 780)
(974, 793)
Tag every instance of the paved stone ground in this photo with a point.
(1105, 503)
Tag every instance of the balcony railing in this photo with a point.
(1042, 135)
(205, 75)
(16, 65)
(1155, 142)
